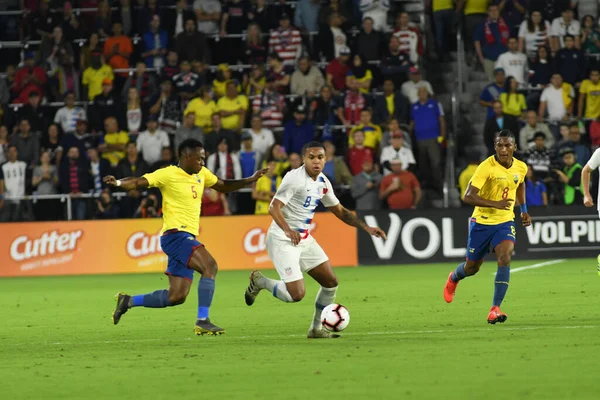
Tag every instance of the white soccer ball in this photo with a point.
(335, 317)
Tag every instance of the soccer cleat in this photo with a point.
(321, 334)
(121, 308)
(496, 315)
(450, 289)
(253, 289)
(205, 327)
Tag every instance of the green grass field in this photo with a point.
(57, 340)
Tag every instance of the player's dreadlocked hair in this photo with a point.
(188, 144)
(312, 145)
(505, 133)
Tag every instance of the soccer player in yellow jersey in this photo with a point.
(492, 190)
(181, 187)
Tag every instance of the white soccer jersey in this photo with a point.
(594, 163)
(13, 174)
(301, 196)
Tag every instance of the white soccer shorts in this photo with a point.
(291, 261)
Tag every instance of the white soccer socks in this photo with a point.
(276, 287)
(325, 297)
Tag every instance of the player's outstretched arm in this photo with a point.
(231, 185)
(525, 218)
(585, 182)
(473, 198)
(130, 183)
(351, 219)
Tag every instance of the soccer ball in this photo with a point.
(335, 317)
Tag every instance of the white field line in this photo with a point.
(351, 334)
(534, 266)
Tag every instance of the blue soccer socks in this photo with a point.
(501, 285)
(157, 299)
(206, 290)
(459, 273)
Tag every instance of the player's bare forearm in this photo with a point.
(130, 183)
(472, 198)
(275, 212)
(521, 194)
(348, 217)
(585, 180)
(231, 185)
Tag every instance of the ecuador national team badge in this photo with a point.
(516, 178)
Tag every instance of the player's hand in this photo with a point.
(588, 201)
(294, 236)
(110, 180)
(377, 232)
(525, 219)
(504, 204)
(259, 173)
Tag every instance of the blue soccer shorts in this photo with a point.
(179, 247)
(485, 238)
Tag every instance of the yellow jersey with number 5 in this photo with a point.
(495, 183)
(181, 196)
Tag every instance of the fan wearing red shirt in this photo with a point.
(400, 189)
(30, 78)
(358, 153)
(337, 69)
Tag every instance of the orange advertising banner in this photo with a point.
(130, 246)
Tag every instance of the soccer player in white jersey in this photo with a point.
(591, 165)
(291, 247)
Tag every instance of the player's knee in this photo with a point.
(210, 269)
(471, 269)
(297, 295)
(176, 298)
(331, 282)
(504, 259)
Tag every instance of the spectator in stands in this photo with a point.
(358, 153)
(208, 13)
(372, 132)
(42, 22)
(249, 158)
(428, 126)
(54, 48)
(171, 68)
(66, 79)
(176, 19)
(370, 43)
(68, 115)
(264, 189)
(390, 104)
(491, 92)
(307, 79)
(594, 134)
(114, 142)
(533, 126)
(498, 122)
(278, 74)
(298, 132)
(255, 51)
(365, 187)
(533, 34)
(188, 130)
(262, 138)
(134, 114)
(224, 75)
(540, 157)
(562, 26)
(233, 108)
(144, 82)
(359, 76)
(570, 176)
(337, 70)
(354, 102)
(106, 207)
(570, 62)
(29, 78)
(270, 105)
(156, 44)
(106, 104)
(557, 100)
(45, 182)
(514, 63)
(167, 106)
(214, 203)
(224, 164)
(331, 39)
(166, 159)
(236, 15)
(393, 126)
(103, 19)
(99, 168)
(279, 155)
(474, 15)
(95, 76)
(27, 144)
(38, 115)
(211, 140)
(339, 6)
(149, 208)
(377, 10)
(410, 88)
(590, 94)
(306, 15)
(74, 179)
(443, 15)
(286, 41)
(4, 91)
(535, 190)
(513, 102)
(80, 139)
(151, 141)
(465, 176)
(87, 52)
(582, 150)
(203, 108)
(335, 168)
(541, 69)
(199, 50)
(12, 183)
(590, 36)
(397, 151)
(132, 164)
(409, 37)
(295, 162)
(50, 143)
(186, 83)
(124, 14)
(396, 64)
(118, 49)
(491, 39)
(70, 24)
(4, 143)
(512, 12)
(400, 189)
(324, 109)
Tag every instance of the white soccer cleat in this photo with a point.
(253, 289)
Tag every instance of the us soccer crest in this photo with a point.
(516, 178)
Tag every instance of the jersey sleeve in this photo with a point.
(286, 191)
(158, 178)
(210, 179)
(594, 162)
(329, 198)
(480, 176)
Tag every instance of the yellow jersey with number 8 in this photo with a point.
(181, 196)
(495, 183)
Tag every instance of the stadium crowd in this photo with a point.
(255, 80)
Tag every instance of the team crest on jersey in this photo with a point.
(516, 178)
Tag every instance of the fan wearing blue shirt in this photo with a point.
(492, 92)
(249, 158)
